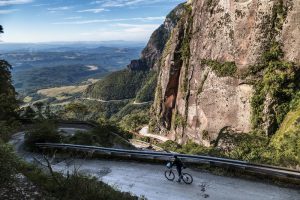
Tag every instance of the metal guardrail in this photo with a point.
(62, 122)
(256, 168)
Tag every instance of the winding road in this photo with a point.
(148, 179)
(145, 132)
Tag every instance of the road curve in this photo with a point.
(145, 132)
(148, 180)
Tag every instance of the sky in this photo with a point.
(82, 20)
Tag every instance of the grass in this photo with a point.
(59, 91)
(289, 123)
(222, 69)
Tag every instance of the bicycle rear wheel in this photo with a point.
(187, 178)
(169, 174)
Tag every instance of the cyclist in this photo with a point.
(179, 165)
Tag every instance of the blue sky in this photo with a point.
(82, 20)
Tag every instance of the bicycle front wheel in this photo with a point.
(169, 174)
(187, 178)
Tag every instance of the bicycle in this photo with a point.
(170, 175)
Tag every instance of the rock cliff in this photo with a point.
(228, 64)
(150, 57)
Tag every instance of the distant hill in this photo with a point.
(6, 47)
(65, 65)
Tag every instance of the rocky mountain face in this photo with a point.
(228, 65)
(150, 57)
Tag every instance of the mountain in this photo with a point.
(139, 79)
(225, 75)
(229, 66)
(153, 51)
(44, 46)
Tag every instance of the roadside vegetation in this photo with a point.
(104, 135)
(42, 132)
(283, 149)
(74, 186)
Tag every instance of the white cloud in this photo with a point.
(121, 3)
(2, 12)
(117, 3)
(14, 2)
(62, 8)
(42, 4)
(128, 32)
(124, 3)
(95, 10)
(143, 26)
(72, 18)
(108, 20)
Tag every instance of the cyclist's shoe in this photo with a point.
(178, 181)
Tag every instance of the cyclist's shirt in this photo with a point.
(177, 162)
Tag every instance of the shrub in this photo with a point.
(79, 187)
(105, 135)
(281, 82)
(7, 128)
(222, 69)
(8, 164)
(96, 137)
(73, 187)
(76, 111)
(193, 148)
(286, 148)
(43, 132)
(133, 122)
(170, 146)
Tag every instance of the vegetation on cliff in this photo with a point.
(278, 80)
(222, 69)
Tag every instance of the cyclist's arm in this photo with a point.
(172, 163)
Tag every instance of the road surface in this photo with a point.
(145, 132)
(104, 101)
(148, 180)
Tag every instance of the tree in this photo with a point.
(133, 122)
(42, 132)
(77, 110)
(39, 105)
(29, 113)
(8, 101)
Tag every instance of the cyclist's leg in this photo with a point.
(179, 170)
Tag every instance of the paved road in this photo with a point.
(145, 132)
(148, 180)
(104, 101)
